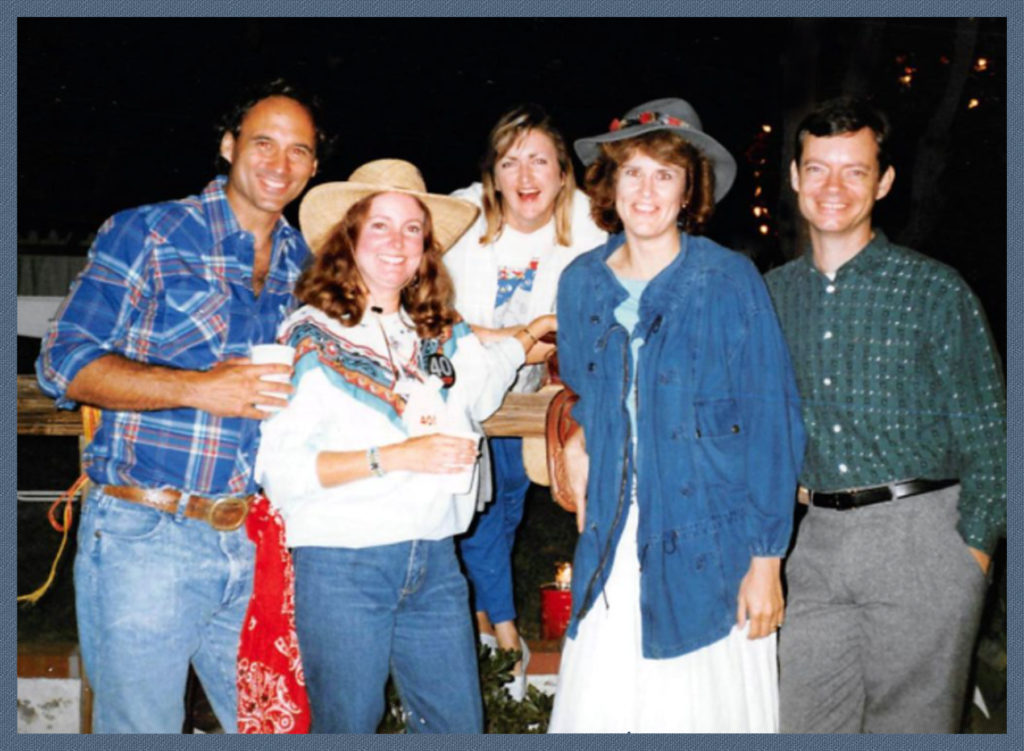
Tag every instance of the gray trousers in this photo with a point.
(883, 608)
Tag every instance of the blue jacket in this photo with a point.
(720, 440)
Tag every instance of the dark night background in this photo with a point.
(113, 113)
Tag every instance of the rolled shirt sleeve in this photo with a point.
(103, 308)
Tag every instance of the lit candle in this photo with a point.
(556, 603)
(563, 575)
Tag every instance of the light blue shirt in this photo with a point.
(628, 314)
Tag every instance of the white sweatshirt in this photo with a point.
(345, 400)
(474, 267)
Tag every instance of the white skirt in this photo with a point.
(605, 685)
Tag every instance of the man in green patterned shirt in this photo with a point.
(904, 403)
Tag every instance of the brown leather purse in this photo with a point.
(559, 427)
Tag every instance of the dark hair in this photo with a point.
(663, 146)
(510, 127)
(231, 120)
(846, 115)
(332, 281)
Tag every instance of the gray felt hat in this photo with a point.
(675, 115)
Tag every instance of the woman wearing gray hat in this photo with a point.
(685, 469)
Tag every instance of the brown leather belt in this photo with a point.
(843, 500)
(223, 514)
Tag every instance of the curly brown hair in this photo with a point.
(333, 284)
(663, 146)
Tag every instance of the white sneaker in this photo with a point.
(516, 688)
(489, 641)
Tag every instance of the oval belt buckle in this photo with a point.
(227, 514)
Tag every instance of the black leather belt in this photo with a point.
(843, 500)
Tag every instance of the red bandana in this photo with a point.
(271, 687)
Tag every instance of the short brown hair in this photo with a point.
(846, 115)
(510, 127)
(663, 146)
(333, 284)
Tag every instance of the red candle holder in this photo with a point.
(556, 604)
(555, 610)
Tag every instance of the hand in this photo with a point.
(760, 597)
(539, 353)
(577, 467)
(233, 388)
(436, 453)
(983, 559)
(541, 327)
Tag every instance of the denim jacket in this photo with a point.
(720, 440)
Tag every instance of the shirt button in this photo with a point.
(828, 335)
(830, 288)
(843, 468)
(827, 381)
(837, 428)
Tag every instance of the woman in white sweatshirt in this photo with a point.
(365, 461)
(505, 269)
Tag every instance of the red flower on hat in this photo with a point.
(646, 117)
(669, 120)
(615, 125)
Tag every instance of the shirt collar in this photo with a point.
(614, 241)
(221, 218)
(867, 262)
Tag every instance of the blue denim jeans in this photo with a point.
(403, 609)
(486, 549)
(153, 593)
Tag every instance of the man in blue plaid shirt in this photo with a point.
(156, 331)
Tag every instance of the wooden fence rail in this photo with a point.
(520, 414)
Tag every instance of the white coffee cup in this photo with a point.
(271, 354)
(461, 482)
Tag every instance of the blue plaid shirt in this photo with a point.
(171, 284)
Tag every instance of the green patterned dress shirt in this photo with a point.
(899, 378)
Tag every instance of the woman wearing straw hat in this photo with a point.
(371, 462)
(505, 269)
(690, 420)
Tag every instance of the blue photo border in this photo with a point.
(513, 8)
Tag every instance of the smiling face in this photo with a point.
(272, 158)
(649, 195)
(528, 178)
(837, 183)
(390, 246)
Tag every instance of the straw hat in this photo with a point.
(675, 115)
(325, 205)
(535, 448)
